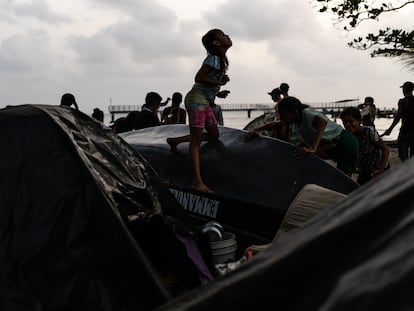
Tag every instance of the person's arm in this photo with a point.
(265, 126)
(319, 124)
(223, 94)
(385, 152)
(165, 113)
(202, 76)
(165, 102)
(397, 119)
(393, 124)
(255, 131)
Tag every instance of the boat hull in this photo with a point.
(254, 183)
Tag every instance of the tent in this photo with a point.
(77, 207)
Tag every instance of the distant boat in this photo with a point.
(259, 121)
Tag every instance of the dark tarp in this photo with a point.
(68, 189)
(358, 255)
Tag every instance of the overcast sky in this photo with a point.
(121, 49)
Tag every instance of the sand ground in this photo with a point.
(394, 159)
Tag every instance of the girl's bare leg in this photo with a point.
(175, 141)
(196, 136)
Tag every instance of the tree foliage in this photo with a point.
(387, 42)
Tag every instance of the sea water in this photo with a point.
(239, 119)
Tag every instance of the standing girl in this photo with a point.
(208, 80)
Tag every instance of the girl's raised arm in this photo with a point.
(202, 76)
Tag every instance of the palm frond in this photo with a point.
(408, 60)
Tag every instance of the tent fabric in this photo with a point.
(70, 189)
(356, 255)
(308, 203)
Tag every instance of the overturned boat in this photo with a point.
(254, 183)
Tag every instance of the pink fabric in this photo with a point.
(201, 117)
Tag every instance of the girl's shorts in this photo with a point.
(199, 111)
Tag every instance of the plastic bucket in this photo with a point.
(224, 250)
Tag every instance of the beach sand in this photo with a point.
(393, 158)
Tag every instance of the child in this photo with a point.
(316, 134)
(67, 100)
(174, 114)
(368, 111)
(373, 151)
(208, 80)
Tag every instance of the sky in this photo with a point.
(106, 51)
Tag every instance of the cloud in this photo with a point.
(149, 12)
(24, 53)
(98, 49)
(38, 9)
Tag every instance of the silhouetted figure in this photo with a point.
(276, 96)
(68, 100)
(406, 115)
(98, 114)
(282, 132)
(174, 114)
(284, 89)
(121, 125)
(368, 111)
(148, 116)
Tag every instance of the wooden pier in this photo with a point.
(124, 109)
(330, 108)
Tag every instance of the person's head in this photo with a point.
(121, 125)
(351, 119)
(275, 94)
(98, 114)
(290, 109)
(153, 101)
(284, 88)
(216, 42)
(68, 100)
(369, 100)
(407, 88)
(177, 98)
